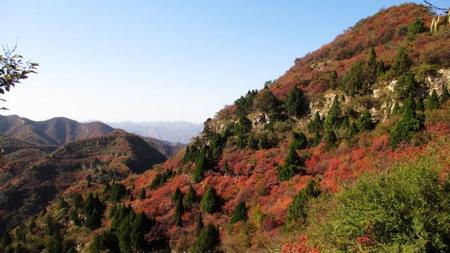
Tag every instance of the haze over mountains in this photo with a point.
(176, 132)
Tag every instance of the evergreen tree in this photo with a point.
(317, 138)
(297, 211)
(332, 120)
(365, 121)
(420, 105)
(266, 102)
(292, 165)
(414, 28)
(142, 193)
(243, 127)
(445, 95)
(432, 101)
(402, 62)
(408, 124)
(189, 198)
(179, 210)
(355, 80)
(93, 211)
(199, 223)
(177, 195)
(316, 123)
(296, 103)
(406, 86)
(207, 240)
(352, 131)
(55, 244)
(210, 202)
(372, 67)
(239, 213)
(299, 140)
(118, 191)
(200, 167)
(330, 139)
(139, 227)
(334, 82)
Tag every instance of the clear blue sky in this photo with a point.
(162, 60)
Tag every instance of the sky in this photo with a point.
(167, 60)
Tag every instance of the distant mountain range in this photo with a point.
(175, 132)
(60, 131)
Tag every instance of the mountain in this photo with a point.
(175, 132)
(81, 164)
(55, 131)
(345, 152)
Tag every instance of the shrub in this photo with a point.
(210, 202)
(207, 240)
(414, 28)
(405, 210)
(239, 213)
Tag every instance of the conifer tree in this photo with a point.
(177, 195)
(333, 84)
(296, 103)
(189, 198)
(207, 240)
(402, 62)
(179, 210)
(408, 124)
(142, 193)
(210, 202)
(352, 130)
(445, 95)
(200, 166)
(432, 101)
(332, 120)
(239, 213)
(315, 123)
(330, 139)
(365, 121)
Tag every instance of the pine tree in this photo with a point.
(200, 167)
(432, 101)
(239, 213)
(189, 198)
(408, 124)
(296, 103)
(297, 211)
(118, 191)
(332, 120)
(142, 193)
(330, 139)
(210, 202)
(420, 105)
(177, 195)
(402, 62)
(139, 227)
(334, 82)
(292, 165)
(365, 121)
(445, 95)
(207, 240)
(316, 123)
(352, 131)
(179, 210)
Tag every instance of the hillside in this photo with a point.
(345, 152)
(79, 165)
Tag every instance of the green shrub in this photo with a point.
(405, 210)
(414, 28)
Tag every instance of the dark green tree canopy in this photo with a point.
(239, 213)
(210, 202)
(296, 103)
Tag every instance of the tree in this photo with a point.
(207, 240)
(189, 198)
(365, 121)
(407, 126)
(265, 101)
(296, 103)
(334, 82)
(332, 120)
(139, 227)
(402, 62)
(293, 164)
(239, 213)
(445, 95)
(355, 80)
(316, 123)
(142, 193)
(414, 28)
(330, 139)
(118, 191)
(352, 130)
(297, 211)
(13, 69)
(93, 211)
(432, 101)
(210, 202)
(406, 86)
(179, 210)
(244, 104)
(177, 195)
(200, 166)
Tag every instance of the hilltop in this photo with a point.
(345, 152)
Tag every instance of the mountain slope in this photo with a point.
(276, 170)
(82, 164)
